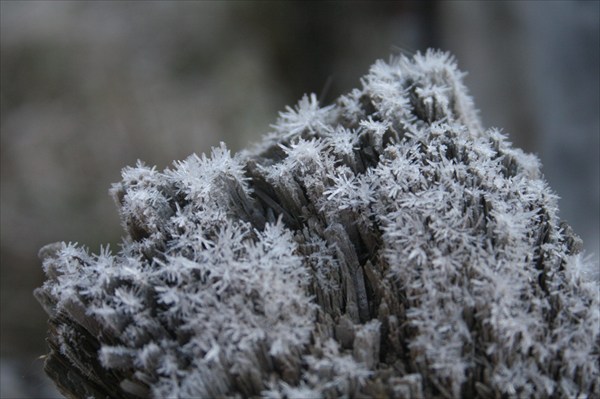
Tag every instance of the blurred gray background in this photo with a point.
(89, 87)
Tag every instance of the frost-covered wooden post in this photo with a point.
(383, 246)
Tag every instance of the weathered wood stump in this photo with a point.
(383, 246)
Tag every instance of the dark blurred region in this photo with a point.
(87, 88)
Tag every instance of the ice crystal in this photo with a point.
(386, 245)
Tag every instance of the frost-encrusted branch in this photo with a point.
(386, 245)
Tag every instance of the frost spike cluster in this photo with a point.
(383, 246)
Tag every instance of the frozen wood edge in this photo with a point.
(383, 319)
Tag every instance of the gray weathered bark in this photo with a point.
(386, 245)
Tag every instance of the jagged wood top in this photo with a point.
(385, 245)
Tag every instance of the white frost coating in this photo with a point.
(385, 245)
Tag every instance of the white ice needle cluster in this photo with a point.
(386, 245)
